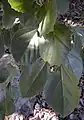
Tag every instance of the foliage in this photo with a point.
(38, 43)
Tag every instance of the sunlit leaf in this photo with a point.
(20, 42)
(48, 22)
(20, 5)
(56, 45)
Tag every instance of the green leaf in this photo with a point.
(29, 21)
(61, 91)
(48, 22)
(30, 55)
(62, 6)
(22, 5)
(56, 45)
(33, 78)
(20, 42)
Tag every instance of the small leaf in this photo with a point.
(48, 22)
(20, 42)
(33, 78)
(61, 91)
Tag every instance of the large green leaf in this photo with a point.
(56, 45)
(61, 90)
(24, 6)
(33, 78)
(62, 5)
(20, 42)
(48, 22)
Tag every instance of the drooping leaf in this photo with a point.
(33, 78)
(20, 42)
(61, 91)
(62, 6)
(56, 45)
(48, 22)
